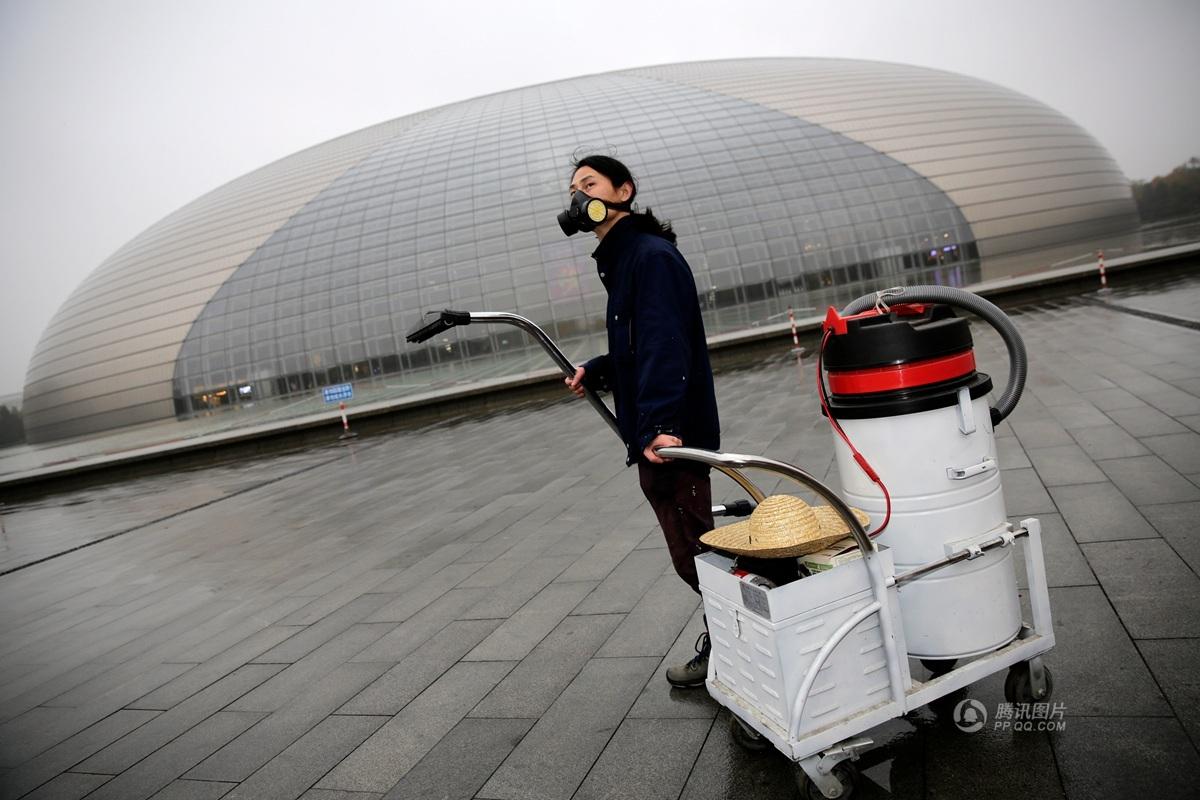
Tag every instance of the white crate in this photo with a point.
(765, 640)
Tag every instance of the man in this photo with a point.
(657, 363)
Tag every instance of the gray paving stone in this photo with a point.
(303, 643)
(411, 634)
(1079, 415)
(1052, 396)
(383, 759)
(1064, 464)
(1064, 561)
(238, 759)
(603, 556)
(423, 592)
(1102, 758)
(230, 629)
(493, 573)
(1097, 512)
(1024, 494)
(193, 790)
(131, 628)
(126, 752)
(1173, 402)
(653, 540)
(54, 724)
(1177, 524)
(724, 771)
(179, 689)
(1173, 662)
(347, 588)
(39, 727)
(959, 764)
(554, 757)
(1149, 481)
(540, 678)
(1153, 591)
(458, 765)
(1192, 421)
(654, 623)
(1097, 668)
(399, 685)
(36, 771)
(1010, 454)
(172, 760)
(1113, 399)
(69, 786)
(1040, 433)
(506, 599)
(327, 794)
(1109, 441)
(1145, 421)
(646, 758)
(141, 672)
(660, 700)
(1180, 450)
(522, 632)
(295, 678)
(302, 764)
(637, 572)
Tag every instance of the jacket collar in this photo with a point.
(614, 241)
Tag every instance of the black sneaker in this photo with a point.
(693, 673)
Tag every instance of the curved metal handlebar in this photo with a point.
(730, 463)
(560, 358)
(450, 319)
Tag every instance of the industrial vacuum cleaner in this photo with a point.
(810, 665)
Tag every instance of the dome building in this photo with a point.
(799, 182)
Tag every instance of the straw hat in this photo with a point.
(782, 526)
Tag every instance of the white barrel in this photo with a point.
(945, 488)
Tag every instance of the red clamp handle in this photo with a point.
(838, 324)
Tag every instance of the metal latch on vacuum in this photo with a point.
(960, 473)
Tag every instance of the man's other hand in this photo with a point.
(575, 384)
(662, 440)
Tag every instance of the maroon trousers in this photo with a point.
(681, 495)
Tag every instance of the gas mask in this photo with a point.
(585, 213)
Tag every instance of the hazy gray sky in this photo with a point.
(117, 112)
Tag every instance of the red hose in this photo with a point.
(859, 458)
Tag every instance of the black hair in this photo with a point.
(619, 174)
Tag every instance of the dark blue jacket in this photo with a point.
(657, 362)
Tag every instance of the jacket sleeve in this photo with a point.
(597, 373)
(665, 294)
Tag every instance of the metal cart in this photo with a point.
(811, 665)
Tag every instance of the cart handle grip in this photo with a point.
(738, 508)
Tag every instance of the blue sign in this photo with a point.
(335, 394)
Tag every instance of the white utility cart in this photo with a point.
(811, 665)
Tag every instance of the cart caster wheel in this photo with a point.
(938, 666)
(747, 738)
(1018, 688)
(846, 774)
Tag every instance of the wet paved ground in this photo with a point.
(486, 609)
